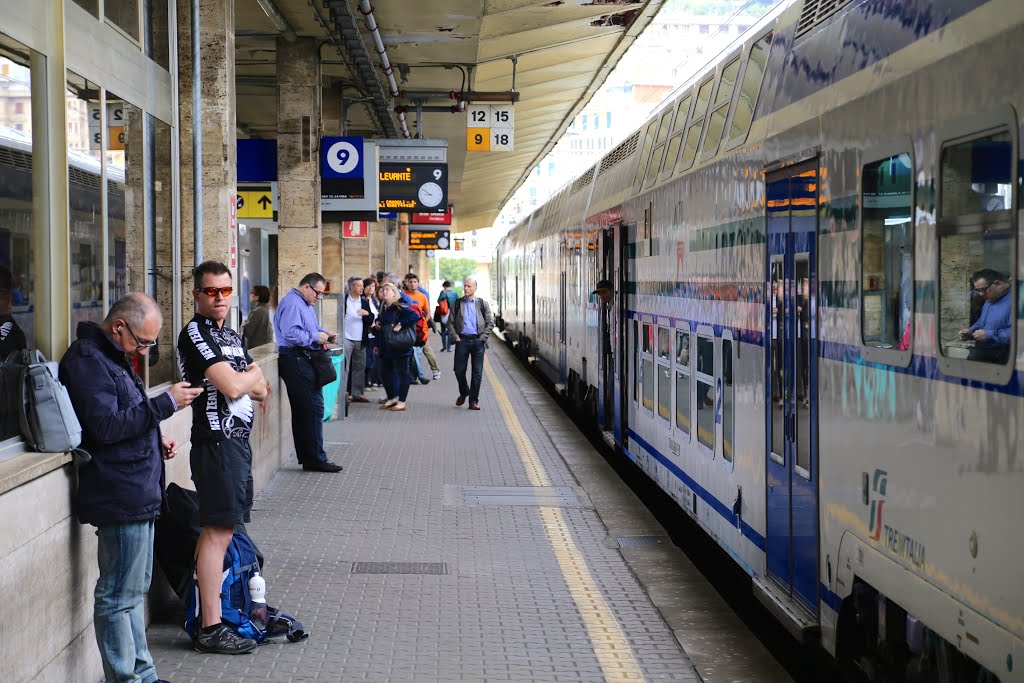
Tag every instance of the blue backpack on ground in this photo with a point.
(236, 605)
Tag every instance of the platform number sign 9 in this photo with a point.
(490, 128)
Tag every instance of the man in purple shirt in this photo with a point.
(297, 332)
(991, 331)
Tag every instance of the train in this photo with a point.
(813, 336)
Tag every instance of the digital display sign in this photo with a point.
(422, 240)
(413, 187)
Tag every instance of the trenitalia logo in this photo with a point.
(881, 478)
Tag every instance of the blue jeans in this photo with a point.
(464, 349)
(125, 554)
(307, 404)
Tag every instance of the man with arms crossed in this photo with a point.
(213, 357)
(121, 488)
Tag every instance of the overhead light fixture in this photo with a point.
(897, 220)
(277, 19)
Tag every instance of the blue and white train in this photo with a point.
(803, 243)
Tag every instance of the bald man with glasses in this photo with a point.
(298, 332)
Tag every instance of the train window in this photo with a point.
(716, 123)
(668, 163)
(657, 156)
(743, 115)
(644, 158)
(976, 254)
(636, 361)
(665, 392)
(683, 381)
(728, 401)
(887, 253)
(664, 344)
(648, 338)
(705, 376)
(648, 384)
(18, 276)
(689, 152)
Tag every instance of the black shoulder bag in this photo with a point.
(323, 367)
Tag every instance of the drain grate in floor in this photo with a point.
(641, 541)
(541, 496)
(399, 568)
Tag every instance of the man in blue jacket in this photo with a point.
(121, 489)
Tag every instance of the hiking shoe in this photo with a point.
(223, 641)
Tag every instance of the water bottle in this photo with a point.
(258, 594)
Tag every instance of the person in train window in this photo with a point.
(257, 330)
(12, 338)
(991, 332)
(604, 291)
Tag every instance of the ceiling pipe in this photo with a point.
(366, 9)
(277, 19)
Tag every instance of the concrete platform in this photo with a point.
(515, 553)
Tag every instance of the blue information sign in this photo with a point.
(341, 157)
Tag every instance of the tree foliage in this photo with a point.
(456, 269)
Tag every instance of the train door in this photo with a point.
(791, 389)
(606, 410)
(624, 352)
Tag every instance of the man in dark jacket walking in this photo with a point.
(120, 490)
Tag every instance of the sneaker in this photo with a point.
(437, 374)
(223, 641)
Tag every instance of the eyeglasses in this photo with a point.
(982, 290)
(318, 292)
(213, 291)
(141, 344)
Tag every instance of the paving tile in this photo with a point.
(504, 612)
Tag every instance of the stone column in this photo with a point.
(298, 173)
(220, 169)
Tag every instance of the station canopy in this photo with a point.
(560, 52)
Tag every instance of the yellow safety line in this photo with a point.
(606, 635)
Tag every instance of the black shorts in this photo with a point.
(222, 472)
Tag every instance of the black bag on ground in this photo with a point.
(323, 367)
(176, 536)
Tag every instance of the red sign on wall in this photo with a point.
(355, 229)
(444, 218)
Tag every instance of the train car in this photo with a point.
(814, 340)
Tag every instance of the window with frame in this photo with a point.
(887, 253)
(664, 373)
(658, 154)
(647, 367)
(753, 76)
(645, 155)
(700, 107)
(676, 141)
(705, 380)
(728, 402)
(18, 276)
(716, 122)
(636, 361)
(976, 310)
(682, 362)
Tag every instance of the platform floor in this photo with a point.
(511, 552)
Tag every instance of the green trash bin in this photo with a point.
(331, 390)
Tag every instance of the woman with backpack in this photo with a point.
(395, 339)
(445, 301)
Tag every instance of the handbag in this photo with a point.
(400, 341)
(323, 367)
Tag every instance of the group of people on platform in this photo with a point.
(121, 489)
